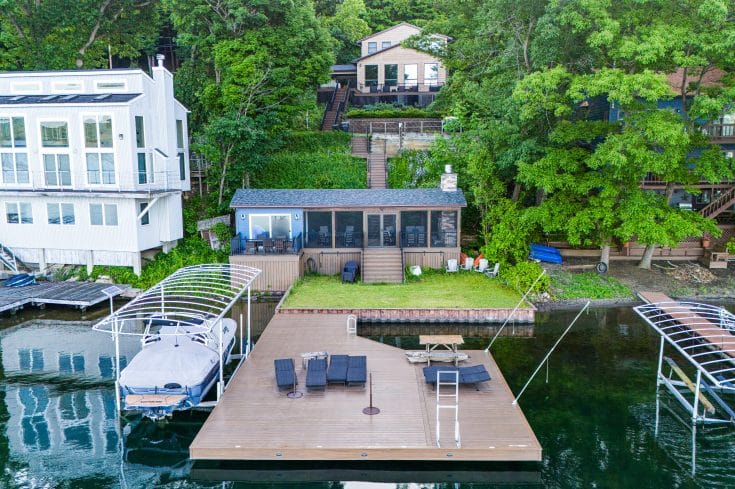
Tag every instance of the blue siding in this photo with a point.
(242, 218)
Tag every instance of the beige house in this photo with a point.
(386, 66)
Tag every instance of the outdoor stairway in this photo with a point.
(7, 259)
(377, 174)
(360, 146)
(720, 204)
(382, 265)
(333, 110)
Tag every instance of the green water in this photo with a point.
(594, 418)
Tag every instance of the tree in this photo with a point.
(57, 34)
(348, 26)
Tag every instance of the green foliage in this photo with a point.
(313, 160)
(730, 246)
(508, 233)
(388, 111)
(409, 169)
(587, 285)
(522, 275)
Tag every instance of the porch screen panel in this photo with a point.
(280, 226)
(413, 228)
(318, 230)
(444, 228)
(349, 229)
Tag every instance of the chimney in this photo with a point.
(449, 180)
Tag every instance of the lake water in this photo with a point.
(594, 418)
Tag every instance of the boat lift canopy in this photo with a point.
(703, 334)
(193, 300)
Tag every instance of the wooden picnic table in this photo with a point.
(448, 341)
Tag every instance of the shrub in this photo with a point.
(521, 276)
(389, 111)
(588, 285)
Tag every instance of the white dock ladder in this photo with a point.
(453, 386)
(351, 325)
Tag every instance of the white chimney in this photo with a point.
(449, 180)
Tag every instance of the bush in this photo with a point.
(389, 111)
(409, 169)
(588, 285)
(521, 276)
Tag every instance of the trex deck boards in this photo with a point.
(255, 421)
(78, 294)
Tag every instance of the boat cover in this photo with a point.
(162, 363)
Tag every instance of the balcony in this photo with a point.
(720, 133)
(265, 246)
(415, 94)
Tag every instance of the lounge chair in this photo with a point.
(482, 266)
(494, 272)
(473, 374)
(285, 374)
(337, 372)
(452, 265)
(316, 374)
(430, 373)
(357, 370)
(469, 262)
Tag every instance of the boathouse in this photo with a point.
(286, 233)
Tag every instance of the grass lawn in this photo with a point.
(433, 290)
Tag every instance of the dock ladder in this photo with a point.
(453, 401)
(351, 325)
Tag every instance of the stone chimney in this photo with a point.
(449, 180)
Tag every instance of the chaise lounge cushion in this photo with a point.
(337, 372)
(316, 374)
(357, 370)
(285, 374)
(473, 374)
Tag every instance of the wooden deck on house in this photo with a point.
(77, 294)
(256, 421)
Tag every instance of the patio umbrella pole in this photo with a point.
(371, 410)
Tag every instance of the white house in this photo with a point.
(93, 165)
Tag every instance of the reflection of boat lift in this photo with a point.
(702, 335)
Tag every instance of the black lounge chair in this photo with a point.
(316, 374)
(337, 372)
(473, 374)
(285, 374)
(357, 370)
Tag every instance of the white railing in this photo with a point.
(7, 259)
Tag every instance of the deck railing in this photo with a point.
(394, 87)
(342, 239)
(240, 245)
(720, 132)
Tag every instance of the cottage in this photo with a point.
(93, 163)
(288, 232)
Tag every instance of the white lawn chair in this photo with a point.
(482, 266)
(468, 263)
(494, 272)
(452, 265)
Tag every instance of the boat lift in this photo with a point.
(192, 299)
(703, 335)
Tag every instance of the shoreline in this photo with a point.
(573, 304)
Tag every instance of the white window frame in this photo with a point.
(118, 89)
(14, 150)
(104, 214)
(413, 81)
(270, 224)
(19, 208)
(60, 209)
(99, 150)
(67, 87)
(24, 88)
(374, 49)
(59, 184)
(385, 45)
(141, 207)
(54, 148)
(55, 151)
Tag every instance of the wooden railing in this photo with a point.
(720, 132)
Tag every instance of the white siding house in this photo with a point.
(92, 166)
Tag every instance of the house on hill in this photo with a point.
(93, 164)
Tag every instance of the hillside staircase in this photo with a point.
(377, 165)
(721, 203)
(382, 265)
(8, 261)
(334, 109)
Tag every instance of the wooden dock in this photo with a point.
(77, 294)
(256, 421)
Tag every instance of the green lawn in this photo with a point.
(433, 290)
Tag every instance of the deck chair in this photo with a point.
(430, 373)
(452, 265)
(494, 272)
(357, 370)
(337, 371)
(473, 374)
(251, 247)
(482, 266)
(316, 374)
(469, 262)
(285, 374)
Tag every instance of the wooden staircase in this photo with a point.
(333, 114)
(382, 265)
(720, 204)
(8, 259)
(360, 146)
(377, 174)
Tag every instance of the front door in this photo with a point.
(381, 230)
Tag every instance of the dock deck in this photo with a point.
(255, 421)
(77, 294)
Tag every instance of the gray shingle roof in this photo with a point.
(343, 198)
(82, 98)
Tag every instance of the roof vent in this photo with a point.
(448, 180)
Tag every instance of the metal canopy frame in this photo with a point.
(704, 335)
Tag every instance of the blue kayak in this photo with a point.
(545, 253)
(20, 280)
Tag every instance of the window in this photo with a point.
(110, 85)
(54, 135)
(57, 171)
(13, 158)
(390, 74)
(98, 131)
(444, 228)
(26, 88)
(60, 213)
(413, 228)
(101, 161)
(69, 363)
(182, 167)
(18, 213)
(270, 226)
(146, 218)
(318, 229)
(385, 45)
(100, 168)
(349, 229)
(30, 360)
(410, 75)
(103, 214)
(372, 47)
(142, 169)
(431, 74)
(179, 133)
(67, 87)
(371, 75)
(139, 132)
